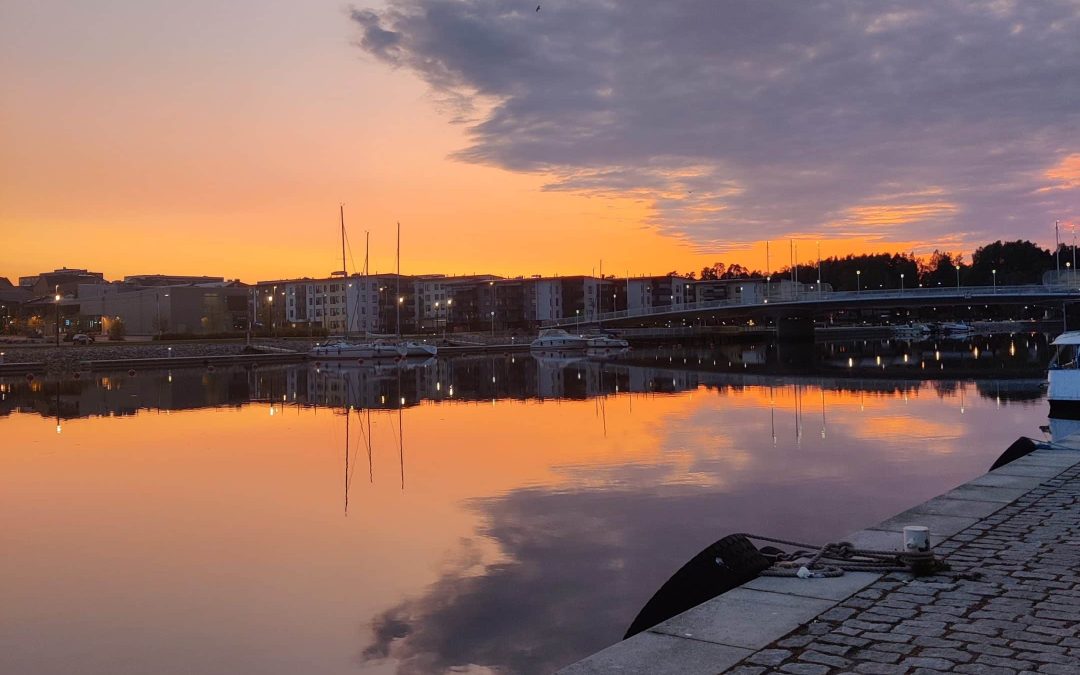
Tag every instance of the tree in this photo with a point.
(714, 272)
(117, 330)
(1016, 262)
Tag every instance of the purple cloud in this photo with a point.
(946, 121)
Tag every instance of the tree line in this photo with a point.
(1015, 262)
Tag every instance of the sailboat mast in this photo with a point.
(344, 272)
(397, 300)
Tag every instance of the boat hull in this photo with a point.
(1063, 391)
(357, 352)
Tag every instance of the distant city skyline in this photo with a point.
(209, 139)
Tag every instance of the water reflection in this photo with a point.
(516, 512)
(1000, 370)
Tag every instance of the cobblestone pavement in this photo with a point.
(1023, 616)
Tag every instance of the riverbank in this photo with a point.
(1017, 526)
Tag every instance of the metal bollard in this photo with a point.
(916, 538)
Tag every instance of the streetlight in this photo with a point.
(57, 317)
(994, 272)
(901, 283)
(493, 323)
(436, 317)
(858, 281)
(270, 301)
(449, 302)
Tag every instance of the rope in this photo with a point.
(833, 559)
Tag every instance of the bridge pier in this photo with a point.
(795, 329)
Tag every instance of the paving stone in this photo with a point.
(805, 669)
(769, 657)
(873, 668)
(946, 653)
(813, 656)
(927, 662)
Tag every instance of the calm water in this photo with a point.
(479, 514)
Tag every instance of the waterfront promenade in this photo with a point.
(1018, 526)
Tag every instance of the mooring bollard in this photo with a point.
(916, 538)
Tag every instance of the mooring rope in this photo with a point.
(833, 559)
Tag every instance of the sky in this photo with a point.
(220, 138)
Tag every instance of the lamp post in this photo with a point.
(449, 302)
(492, 323)
(901, 283)
(436, 317)
(57, 298)
(994, 272)
(858, 281)
(270, 305)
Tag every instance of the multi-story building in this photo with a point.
(198, 309)
(644, 293)
(326, 303)
(64, 281)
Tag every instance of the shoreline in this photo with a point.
(855, 622)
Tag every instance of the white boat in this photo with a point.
(1063, 388)
(606, 342)
(911, 331)
(413, 348)
(342, 349)
(955, 328)
(558, 340)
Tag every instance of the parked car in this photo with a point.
(82, 339)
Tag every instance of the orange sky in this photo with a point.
(224, 148)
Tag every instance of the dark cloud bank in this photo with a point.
(739, 120)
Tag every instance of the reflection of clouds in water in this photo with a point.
(577, 562)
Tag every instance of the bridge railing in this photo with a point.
(822, 296)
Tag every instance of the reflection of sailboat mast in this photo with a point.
(347, 416)
(401, 437)
(772, 413)
(821, 385)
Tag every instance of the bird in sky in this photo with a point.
(538, 8)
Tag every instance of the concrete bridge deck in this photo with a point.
(812, 302)
(1018, 526)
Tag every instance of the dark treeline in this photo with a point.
(1017, 262)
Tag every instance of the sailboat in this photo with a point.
(412, 348)
(343, 348)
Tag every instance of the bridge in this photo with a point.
(804, 305)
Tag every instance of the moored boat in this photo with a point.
(558, 340)
(1063, 388)
(342, 349)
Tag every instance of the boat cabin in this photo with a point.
(1067, 344)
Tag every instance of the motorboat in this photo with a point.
(342, 349)
(422, 349)
(911, 331)
(558, 340)
(606, 342)
(954, 328)
(1063, 378)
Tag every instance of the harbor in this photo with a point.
(667, 447)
